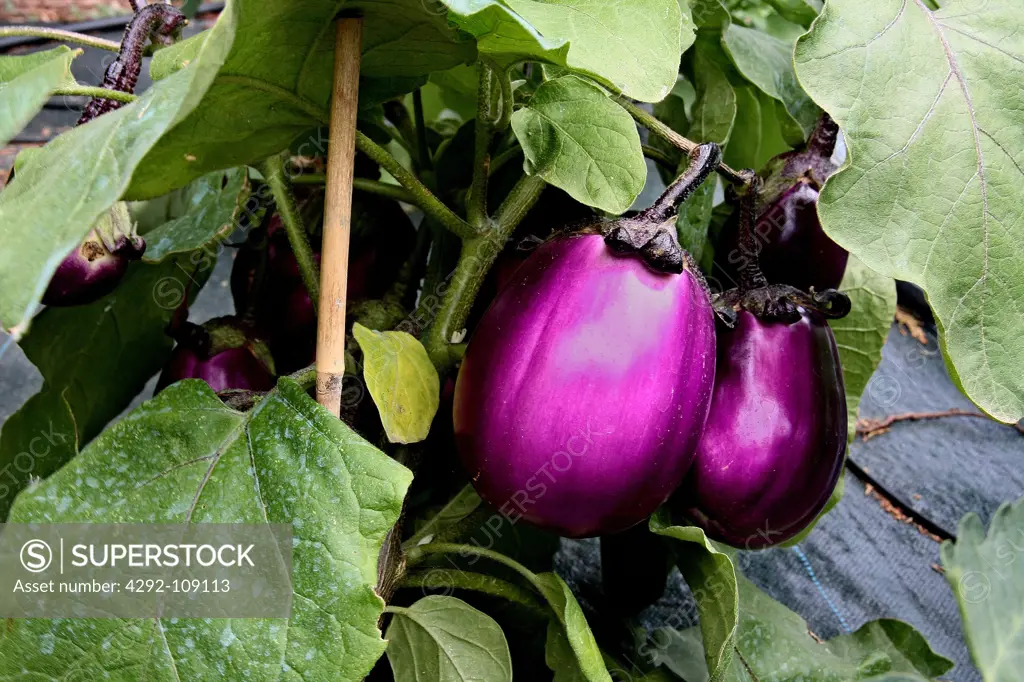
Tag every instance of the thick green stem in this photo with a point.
(60, 35)
(476, 200)
(274, 174)
(647, 120)
(477, 257)
(446, 578)
(381, 189)
(417, 555)
(89, 91)
(422, 196)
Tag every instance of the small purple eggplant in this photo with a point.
(774, 443)
(97, 265)
(223, 353)
(792, 247)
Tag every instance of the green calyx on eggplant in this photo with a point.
(224, 352)
(97, 265)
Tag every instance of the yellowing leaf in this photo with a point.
(402, 381)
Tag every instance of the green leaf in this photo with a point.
(441, 526)
(26, 82)
(801, 12)
(633, 46)
(186, 457)
(988, 578)
(402, 381)
(861, 334)
(774, 643)
(576, 629)
(444, 639)
(559, 656)
(710, 14)
(932, 190)
(713, 116)
(756, 136)
(712, 580)
(580, 141)
(280, 73)
(212, 205)
(681, 651)
(94, 360)
(55, 199)
(767, 62)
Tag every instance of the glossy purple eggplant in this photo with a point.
(774, 444)
(97, 265)
(224, 354)
(585, 388)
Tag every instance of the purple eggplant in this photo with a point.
(792, 247)
(97, 265)
(774, 444)
(585, 387)
(224, 353)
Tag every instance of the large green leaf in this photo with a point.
(712, 579)
(861, 334)
(402, 381)
(632, 46)
(56, 198)
(767, 62)
(987, 575)
(579, 140)
(94, 360)
(26, 82)
(932, 191)
(773, 643)
(444, 639)
(186, 457)
(575, 629)
(276, 83)
(756, 135)
(714, 113)
(211, 207)
(801, 12)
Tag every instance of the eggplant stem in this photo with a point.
(704, 158)
(750, 273)
(822, 141)
(476, 199)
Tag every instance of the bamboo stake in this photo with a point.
(330, 343)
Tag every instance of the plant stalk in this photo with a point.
(476, 200)
(422, 196)
(477, 256)
(647, 120)
(421, 130)
(273, 170)
(703, 160)
(444, 578)
(60, 35)
(419, 554)
(750, 273)
(91, 91)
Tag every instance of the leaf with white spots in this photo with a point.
(932, 110)
(192, 459)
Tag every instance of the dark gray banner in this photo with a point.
(145, 570)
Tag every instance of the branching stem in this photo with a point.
(422, 196)
(274, 173)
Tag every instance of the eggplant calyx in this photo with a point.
(652, 232)
(781, 302)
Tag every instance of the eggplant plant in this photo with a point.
(537, 349)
